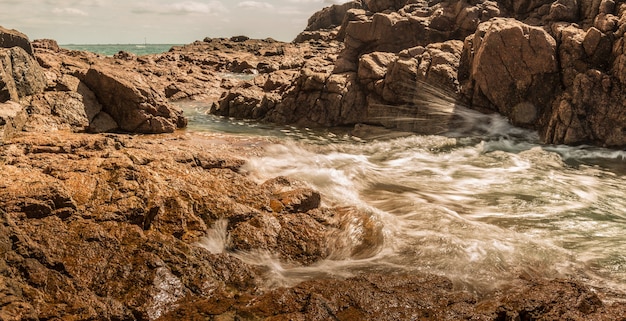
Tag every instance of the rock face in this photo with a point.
(132, 103)
(110, 227)
(10, 38)
(21, 75)
(520, 83)
(553, 66)
(115, 227)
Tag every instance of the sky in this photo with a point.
(157, 21)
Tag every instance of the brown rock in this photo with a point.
(132, 103)
(10, 38)
(506, 78)
(21, 75)
(12, 120)
(46, 44)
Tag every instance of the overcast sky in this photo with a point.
(157, 21)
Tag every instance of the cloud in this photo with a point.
(181, 8)
(69, 12)
(254, 5)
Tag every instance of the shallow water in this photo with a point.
(481, 207)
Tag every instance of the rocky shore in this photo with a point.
(99, 223)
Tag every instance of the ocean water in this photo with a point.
(481, 208)
(112, 49)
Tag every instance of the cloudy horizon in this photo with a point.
(157, 21)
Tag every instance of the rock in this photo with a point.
(115, 223)
(21, 75)
(519, 84)
(398, 296)
(12, 120)
(103, 123)
(46, 44)
(52, 111)
(382, 5)
(331, 17)
(10, 38)
(239, 38)
(124, 55)
(132, 103)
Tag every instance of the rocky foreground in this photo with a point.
(99, 224)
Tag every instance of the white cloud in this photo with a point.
(254, 5)
(181, 8)
(69, 12)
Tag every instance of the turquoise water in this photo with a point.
(111, 49)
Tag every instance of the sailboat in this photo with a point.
(145, 43)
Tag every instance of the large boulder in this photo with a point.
(10, 38)
(130, 100)
(518, 83)
(20, 75)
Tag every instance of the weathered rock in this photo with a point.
(46, 44)
(10, 38)
(519, 84)
(114, 224)
(21, 75)
(414, 296)
(331, 17)
(12, 120)
(103, 123)
(132, 102)
(52, 111)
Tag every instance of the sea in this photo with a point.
(112, 49)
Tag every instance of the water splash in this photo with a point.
(481, 202)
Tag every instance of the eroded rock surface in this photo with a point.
(109, 227)
(553, 66)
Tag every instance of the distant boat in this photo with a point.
(145, 43)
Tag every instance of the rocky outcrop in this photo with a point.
(10, 38)
(115, 227)
(553, 66)
(20, 75)
(408, 297)
(520, 83)
(111, 227)
(132, 102)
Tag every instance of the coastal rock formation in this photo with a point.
(10, 38)
(132, 103)
(519, 83)
(553, 66)
(112, 227)
(20, 75)
(102, 96)
(115, 227)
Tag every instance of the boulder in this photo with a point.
(20, 75)
(46, 44)
(519, 84)
(332, 16)
(10, 38)
(134, 105)
(57, 110)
